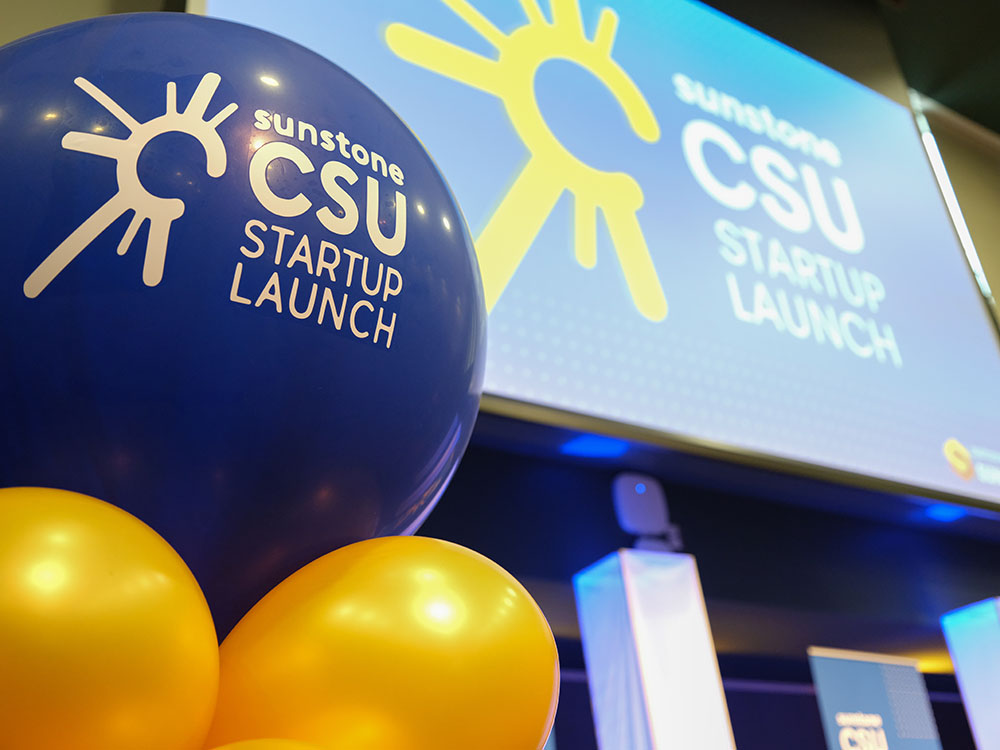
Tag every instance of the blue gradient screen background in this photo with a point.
(570, 337)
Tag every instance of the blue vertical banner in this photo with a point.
(872, 701)
(973, 636)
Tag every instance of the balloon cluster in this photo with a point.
(237, 301)
(397, 643)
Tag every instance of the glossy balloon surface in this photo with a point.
(268, 745)
(402, 643)
(237, 299)
(106, 642)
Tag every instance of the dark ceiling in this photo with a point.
(950, 52)
(947, 50)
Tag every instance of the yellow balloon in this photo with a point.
(398, 643)
(106, 641)
(268, 745)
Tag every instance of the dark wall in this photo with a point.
(848, 35)
(543, 517)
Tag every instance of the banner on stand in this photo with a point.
(872, 701)
(973, 635)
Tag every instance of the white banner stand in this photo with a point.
(973, 636)
(651, 664)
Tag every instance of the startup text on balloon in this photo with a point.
(306, 299)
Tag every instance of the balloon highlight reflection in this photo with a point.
(390, 644)
(106, 641)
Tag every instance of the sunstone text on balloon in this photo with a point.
(308, 133)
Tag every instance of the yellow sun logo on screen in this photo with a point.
(551, 167)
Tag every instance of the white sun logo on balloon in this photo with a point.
(551, 168)
(131, 195)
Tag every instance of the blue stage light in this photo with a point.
(944, 512)
(594, 446)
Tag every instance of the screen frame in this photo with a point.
(531, 412)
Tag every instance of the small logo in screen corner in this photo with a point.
(959, 458)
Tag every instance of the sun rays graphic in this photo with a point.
(551, 167)
(131, 195)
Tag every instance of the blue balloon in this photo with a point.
(237, 298)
